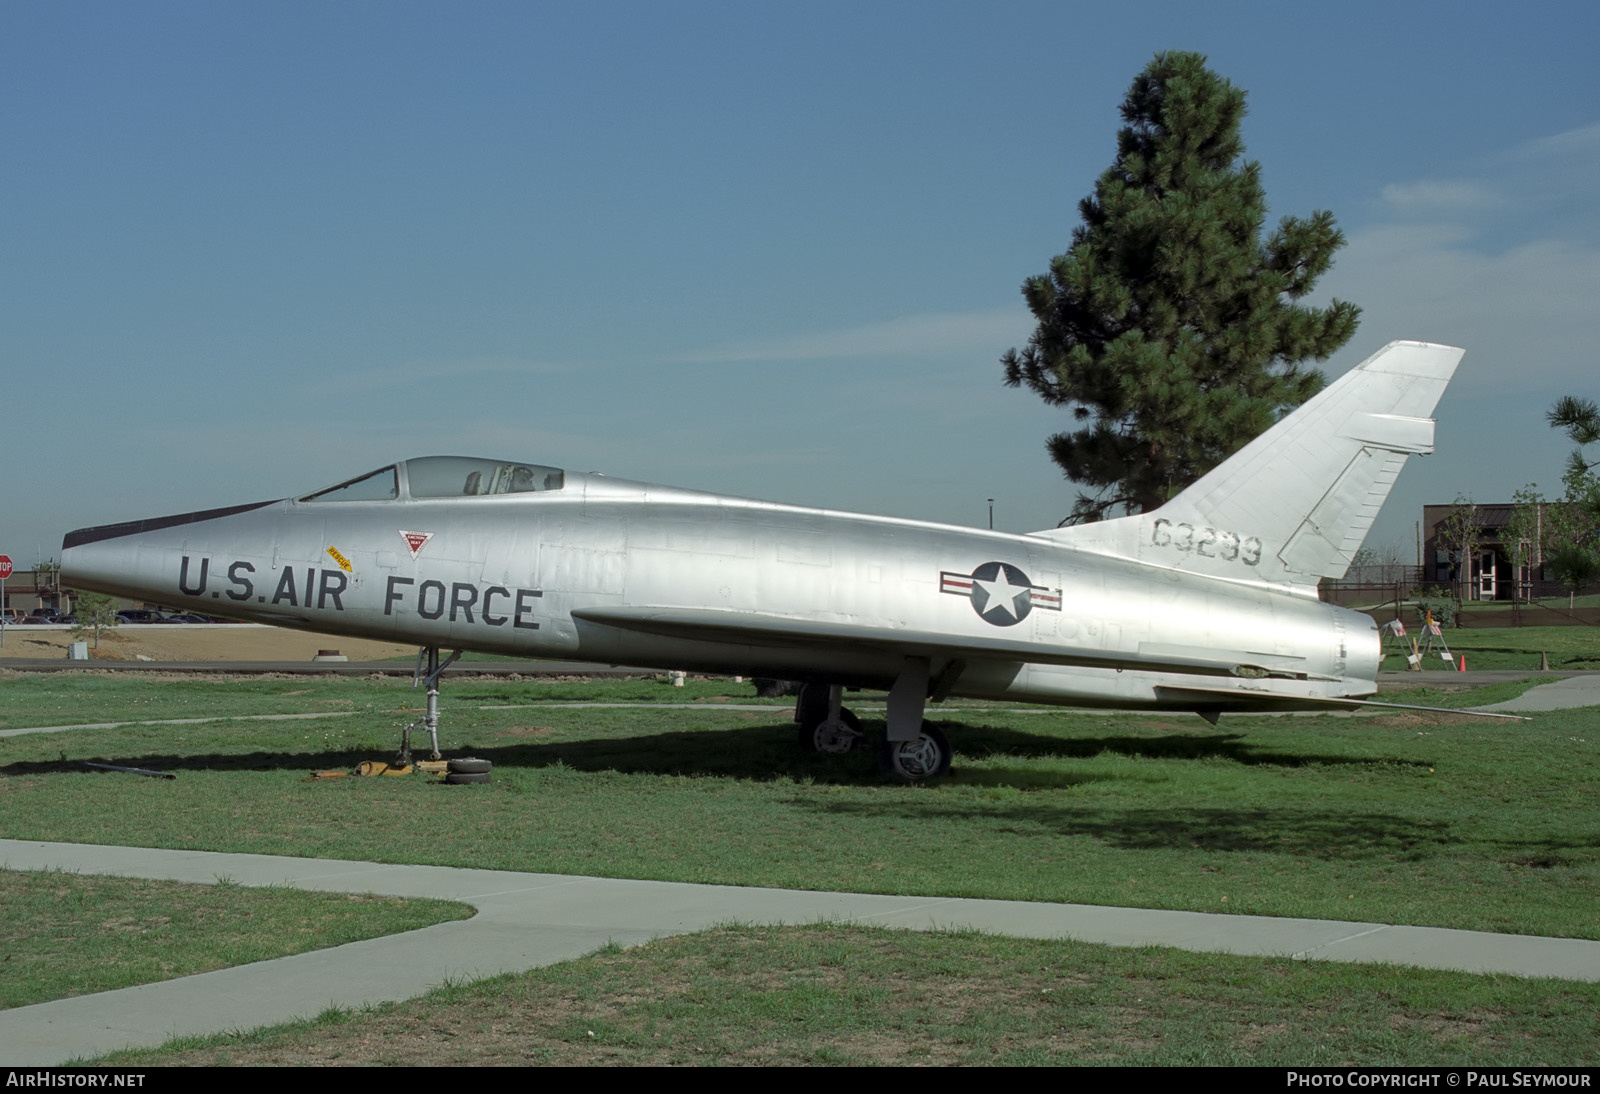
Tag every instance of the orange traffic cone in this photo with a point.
(1463, 667)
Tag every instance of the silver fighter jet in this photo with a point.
(1207, 604)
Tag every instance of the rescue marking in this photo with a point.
(344, 563)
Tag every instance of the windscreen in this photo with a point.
(374, 486)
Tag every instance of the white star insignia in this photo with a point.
(1002, 593)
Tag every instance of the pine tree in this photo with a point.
(1579, 419)
(1169, 327)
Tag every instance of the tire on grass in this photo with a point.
(464, 778)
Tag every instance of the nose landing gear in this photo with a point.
(430, 721)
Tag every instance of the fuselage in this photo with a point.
(506, 572)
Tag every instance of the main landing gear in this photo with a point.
(911, 748)
(925, 756)
(825, 726)
(431, 721)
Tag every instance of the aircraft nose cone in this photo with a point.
(126, 559)
(104, 566)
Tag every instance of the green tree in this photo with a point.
(1461, 533)
(1526, 539)
(1575, 561)
(47, 574)
(1575, 567)
(1170, 327)
(1580, 420)
(96, 612)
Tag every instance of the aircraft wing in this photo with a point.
(714, 625)
(755, 628)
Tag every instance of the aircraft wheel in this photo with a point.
(833, 737)
(469, 765)
(926, 756)
(463, 778)
(812, 705)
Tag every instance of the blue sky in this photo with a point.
(772, 250)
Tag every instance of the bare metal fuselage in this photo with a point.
(611, 571)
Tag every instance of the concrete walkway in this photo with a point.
(526, 921)
(1573, 691)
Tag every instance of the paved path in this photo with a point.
(526, 921)
(1573, 691)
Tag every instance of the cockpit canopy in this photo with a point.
(444, 477)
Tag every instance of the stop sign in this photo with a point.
(5, 566)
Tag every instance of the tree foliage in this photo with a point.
(1575, 562)
(47, 573)
(1170, 327)
(96, 613)
(1580, 420)
(1527, 538)
(1575, 566)
(1461, 533)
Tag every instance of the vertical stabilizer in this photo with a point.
(1293, 505)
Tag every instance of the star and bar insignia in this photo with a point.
(1001, 594)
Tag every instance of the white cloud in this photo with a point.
(944, 334)
(1530, 309)
(428, 372)
(1436, 195)
(1529, 179)
(1582, 143)
(1503, 260)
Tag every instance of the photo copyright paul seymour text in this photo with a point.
(1464, 1078)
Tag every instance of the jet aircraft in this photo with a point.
(1206, 604)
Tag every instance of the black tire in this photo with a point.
(768, 688)
(469, 765)
(925, 757)
(821, 736)
(465, 778)
(811, 706)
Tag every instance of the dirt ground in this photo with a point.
(196, 642)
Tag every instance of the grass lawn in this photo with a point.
(1430, 819)
(65, 934)
(857, 996)
(1506, 648)
(49, 699)
(1409, 818)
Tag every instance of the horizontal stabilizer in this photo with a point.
(1253, 701)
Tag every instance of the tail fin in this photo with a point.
(1294, 504)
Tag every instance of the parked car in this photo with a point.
(140, 615)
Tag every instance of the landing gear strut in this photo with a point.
(911, 748)
(825, 726)
(431, 721)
